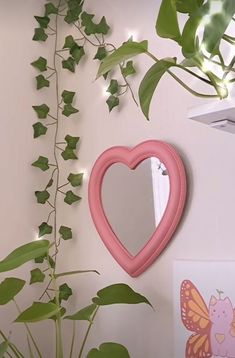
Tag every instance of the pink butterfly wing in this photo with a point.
(195, 317)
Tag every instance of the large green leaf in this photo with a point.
(123, 53)
(188, 6)
(150, 82)
(189, 35)
(23, 254)
(108, 350)
(118, 293)
(3, 348)
(38, 312)
(167, 23)
(85, 314)
(9, 288)
(217, 26)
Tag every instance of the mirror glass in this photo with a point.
(134, 201)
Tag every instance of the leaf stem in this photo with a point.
(87, 332)
(29, 331)
(12, 346)
(73, 340)
(75, 272)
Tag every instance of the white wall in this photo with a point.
(207, 228)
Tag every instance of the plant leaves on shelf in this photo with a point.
(69, 64)
(40, 35)
(36, 276)
(24, 254)
(64, 292)
(39, 129)
(75, 179)
(44, 229)
(117, 294)
(150, 82)
(123, 53)
(69, 110)
(128, 69)
(167, 25)
(42, 82)
(41, 163)
(101, 53)
(68, 96)
(66, 232)
(85, 314)
(71, 198)
(9, 288)
(68, 154)
(39, 311)
(42, 196)
(109, 349)
(112, 102)
(40, 64)
(43, 21)
(42, 111)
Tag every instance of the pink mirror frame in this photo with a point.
(135, 265)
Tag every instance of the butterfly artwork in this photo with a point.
(213, 326)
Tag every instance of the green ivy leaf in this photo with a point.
(24, 254)
(36, 276)
(43, 21)
(102, 27)
(71, 141)
(51, 262)
(50, 9)
(167, 23)
(65, 292)
(71, 198)
(150, 82)
(42, 111)
(69, 110)
(41, 163)
(128, 69)
(101, 53)
(42, 82)
(44, 229)
(119, 293)
(69, 64)
(38, 312)
(113, 87)
(68, 153)
(69, 42)
(68, 96)
(75, 179)
(74, 11)
(39, 129)
(40, 64)
(85, 314)
(42, 196)
(109, 349)
(66, 232)
(50, 183)
(9, 288)
(40, 35)
(123, 53)
(112, 102)
(40, 259)
(77, 52)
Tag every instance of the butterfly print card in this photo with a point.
(204, 309)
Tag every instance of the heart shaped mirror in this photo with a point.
(136, 198)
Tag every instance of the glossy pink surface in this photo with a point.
(135, 265)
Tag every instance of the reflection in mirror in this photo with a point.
(134, 201)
